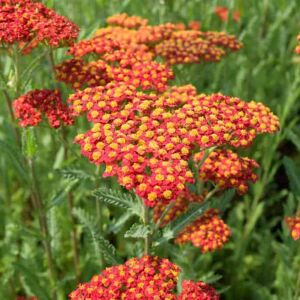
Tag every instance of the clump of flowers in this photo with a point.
(293, 224)
(148, 278)
(146, 139)
(30, 107)
(30, 23)
(222, 13)
(209, 232)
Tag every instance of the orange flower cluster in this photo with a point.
(123, 20)
(223, 12)
(146, 139)
(30, 23)
(293, 224)
(227, 170)
(147, 278)
(297, 50)
(208, 232)
(30, 107)
(131, 36)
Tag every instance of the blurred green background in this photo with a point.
(261, 261)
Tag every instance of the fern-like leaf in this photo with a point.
(293, 176)
(138, 231)
(74, 174)
(115, 197)
(101, 245)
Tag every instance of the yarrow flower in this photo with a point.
(293, 224)
(30, 107)
(147, 278)
(227, 170)
(30, 23)
(209, 232)
(223, 13)
(146, 139)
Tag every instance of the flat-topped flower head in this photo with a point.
(146, 278)
(30, 108)
(146, 139)
(293, 224)
(30, 24)
(208, 232)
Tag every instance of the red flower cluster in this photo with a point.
(227, 170)
(30, 107)
(208, 232)
(147, 278)
(30, 23)
(293, 224)
(146, 139)
(78, 74)
(222, 12)
(297, 50)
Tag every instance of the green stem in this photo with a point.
(70, 199)
(39, 207)
(146, 220)
(297, 290)
(99, 213)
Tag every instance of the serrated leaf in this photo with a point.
(138, 231)
(121, 221)
(101, 245)
(294, 180)
(74, 174)
(114, 197)
(60, 195)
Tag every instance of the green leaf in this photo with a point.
(74, 174)
(114, 197)
(294, 138)
(29, 145)
(101, 245)
(121, 221)
(16, 158)
(138, 231)
(294, 179)
(173, 228)
(32, 281)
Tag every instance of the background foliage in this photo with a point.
(261, 261)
